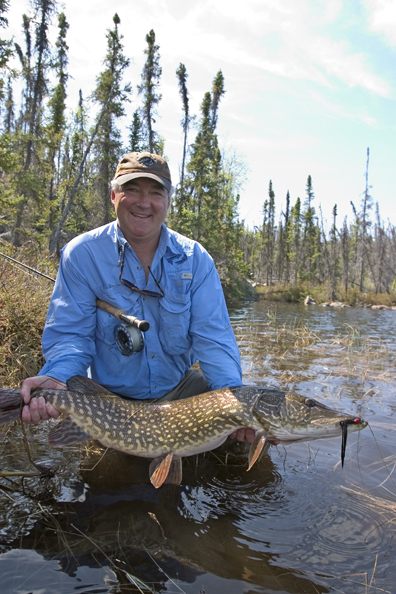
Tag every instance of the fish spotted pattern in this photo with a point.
(168, 431)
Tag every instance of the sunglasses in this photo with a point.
(127, 283)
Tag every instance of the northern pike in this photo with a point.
(168, 431)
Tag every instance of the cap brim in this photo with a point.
(123, 179)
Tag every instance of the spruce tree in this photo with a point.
(57, 118)
(5, 48)
(334, 269)
(287, 235)
(209, 209)
(365, 224)
(309, 239)
(44, 9)
(268, 234)
(148, 88)
(9, 113)
(110, 95)
(182, 75)
(345, 247)
(36, 90)
(136, 136)
(294, 239)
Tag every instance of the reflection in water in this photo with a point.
(296, 523)
(187, 532)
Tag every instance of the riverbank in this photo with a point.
(320, 295)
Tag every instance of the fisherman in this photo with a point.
(139, 265)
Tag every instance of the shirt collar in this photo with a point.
(172, 251)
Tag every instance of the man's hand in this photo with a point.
(244, 434)
(37, 409)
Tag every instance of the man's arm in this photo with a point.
(69, 332)
(214, 341)
(68, 341)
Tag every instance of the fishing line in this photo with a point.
(376, 443)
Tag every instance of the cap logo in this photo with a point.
(146, 161)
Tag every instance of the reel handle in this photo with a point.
(121, 314)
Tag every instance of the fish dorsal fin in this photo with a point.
(175, 472)
(258, 447)
(65, 433)
(159, 469)
(79, 383)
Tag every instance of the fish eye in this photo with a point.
(309, 402)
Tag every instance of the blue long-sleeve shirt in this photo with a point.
(189, 323)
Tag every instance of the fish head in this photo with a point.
(299, 418)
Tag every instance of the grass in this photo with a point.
(24, 301)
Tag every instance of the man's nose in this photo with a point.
(144, 198)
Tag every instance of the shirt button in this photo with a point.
(151, 356)
(139, 267)
(154, 387)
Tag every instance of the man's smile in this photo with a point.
(140, 216)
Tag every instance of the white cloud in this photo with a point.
(382, 18)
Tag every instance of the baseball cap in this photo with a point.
(134, 165)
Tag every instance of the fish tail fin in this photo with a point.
(10, 405)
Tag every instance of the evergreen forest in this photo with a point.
(57, 161)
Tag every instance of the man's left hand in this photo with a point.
(244, 434)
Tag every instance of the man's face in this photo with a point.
(141, 207)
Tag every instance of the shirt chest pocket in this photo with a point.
(106, 324)
(174, 323)
(122, 298)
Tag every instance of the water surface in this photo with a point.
(297, 523)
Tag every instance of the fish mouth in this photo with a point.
(336, 422)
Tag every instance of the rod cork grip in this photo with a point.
(122, 315)
(108, 308)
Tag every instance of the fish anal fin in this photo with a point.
(80, 383)
(159, 469)
(175, 472)
(258, 447)
(65, 433)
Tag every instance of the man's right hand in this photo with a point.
(37, 409)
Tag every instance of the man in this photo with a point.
(139, 265)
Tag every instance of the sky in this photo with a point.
(310, 86)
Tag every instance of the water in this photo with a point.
(297, 523)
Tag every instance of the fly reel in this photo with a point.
(129, 339)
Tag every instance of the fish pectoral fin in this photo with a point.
(80, 383)
(65, 433)
(159, 469)
(175, 472)
(258, 447)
